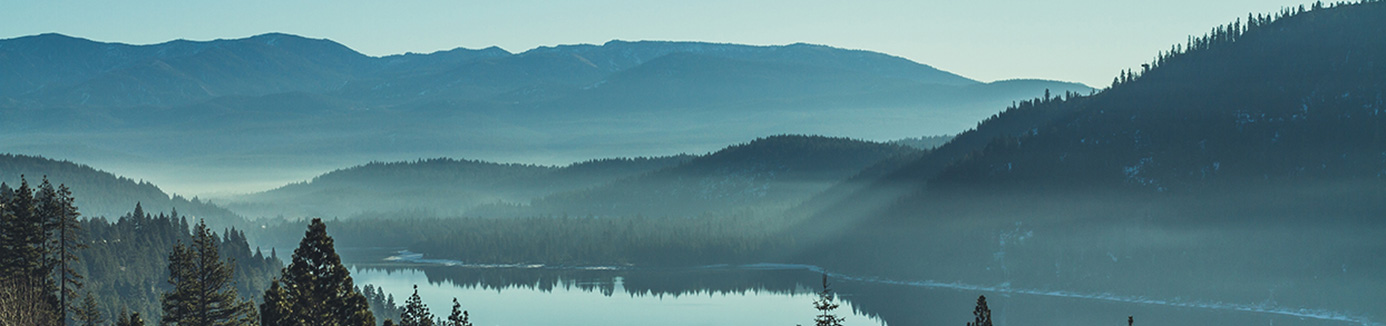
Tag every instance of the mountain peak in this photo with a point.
(45, 38)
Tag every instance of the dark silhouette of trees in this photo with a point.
(381, 303)
(981, 314)
(415, 311)
(275, 310)
(202, 286)
(127, 258)
(458, 317)
(316, 288)
(24, 241)
(48, 253)
(825, 306)
(38, 230)
(64, 230)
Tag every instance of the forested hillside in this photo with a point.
(1246, 157)
(105, 194)
(442, 186)
(126, 260)
(1296, 99)
(52, 260)
(764, 177)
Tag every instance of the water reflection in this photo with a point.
(531, 297)
(737, 295)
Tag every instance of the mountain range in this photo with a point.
(196, 113)
(1245, 166)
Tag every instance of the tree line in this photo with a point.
(46, 253)
(38, 244)
(573, 241)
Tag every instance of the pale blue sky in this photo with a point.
(1087, 41)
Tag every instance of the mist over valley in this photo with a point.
(1234, 179)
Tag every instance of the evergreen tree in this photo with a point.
(88, 313)
(318, 290)
(203, 293)
(275, 308)
(28, 297)
(415, 312)
(63, 229)
(825, 306)
(981, 314)
(458, 317)
(24, 241)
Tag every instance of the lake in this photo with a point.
(769, 294)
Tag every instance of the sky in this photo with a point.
(1087, 41)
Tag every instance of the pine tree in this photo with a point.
(458, 317)
(825, 307)
(317, 289)
(415, 312)
(24, 242)
(28, 297)
(275, 308)
(203, 293)
(981, 314)
(60, 214)
(88, 313)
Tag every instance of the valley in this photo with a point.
(1235, 179)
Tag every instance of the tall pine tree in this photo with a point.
(825, 306)
(203, 293)
(28, 291)
(62, 228)
(458, 317)
(981, 314)
(316, 288)
(275, 309)
(415, 311)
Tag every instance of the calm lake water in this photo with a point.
(569, 304)
(769, 295)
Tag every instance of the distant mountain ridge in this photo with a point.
(55, 69)
(281, 101)
(764, 175)
(444, 187)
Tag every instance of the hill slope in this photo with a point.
(446, 187)
(104, 194)
(1248, 159)
(764, 176)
